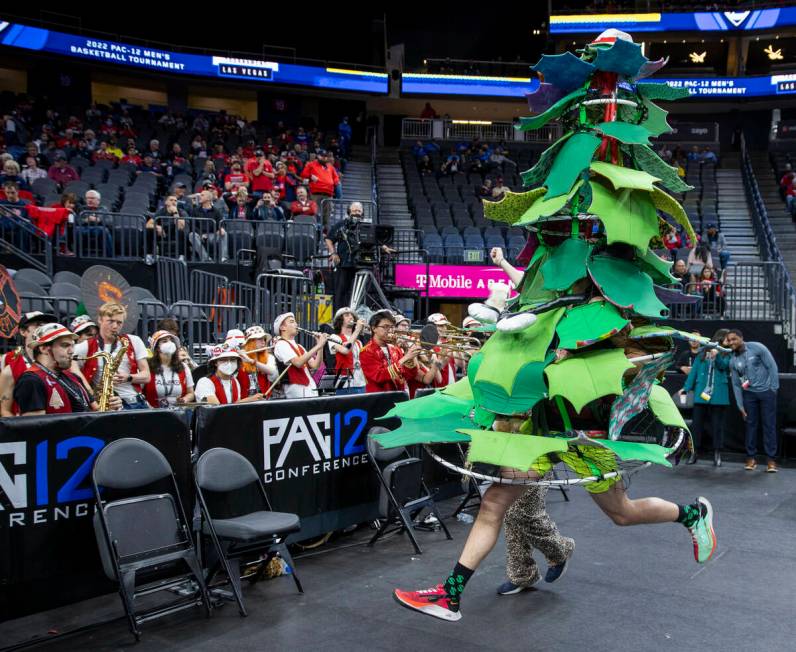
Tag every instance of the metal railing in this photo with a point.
(64, 308)
(783, 295)
(439, 129)
(173, 281)
(197, 239)
(209, 288)
(21, 238)
(202, 324)
(105, 234)
(278, 293)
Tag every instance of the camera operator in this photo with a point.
(342, 244)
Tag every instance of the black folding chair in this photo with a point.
(144, 531)
(403, 495)
(241, 522)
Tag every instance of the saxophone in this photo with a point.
(104, 385)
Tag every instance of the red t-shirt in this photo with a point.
(48, 219)
(237, 180)
(260, 183)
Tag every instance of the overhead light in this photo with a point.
(698, 57)
(425, 62)
(664, 40)
(774, 55)
(757, 38)
(471, 122)
(721, 40)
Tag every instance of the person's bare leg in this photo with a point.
(484, 533)
(624, 511)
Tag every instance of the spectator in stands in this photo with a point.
(62, 173)
(711, 291)
(428, 112)
(12, 172)
(348, 370)
(13, 202)
(133, 372)
(48, 386)
(171, 381)
(345, 133)
(498, 190)
(709, 380)
(266, 209)
(286, 182)
(236, 178)
(89, 226)
(150, 166)
(685, 359)
(665, 153)
(241, 209)
(169, 226)
(84, 328)
(32, 171)
(680, 271)
(154, 150)
(208, 234)
(176, 162)
(303, 205)
(716, 241)
(104, 153)
(498, 159)
(261, 173)
(323, 180)
(132, 158)
(709, 156)
(424, 165)
(786, 182)
(485, 190)
(694, 156)
(755, 383)
(33, 150)
(385, 366)
(91, 140)
(451, 165)
(698, 257)
(298, 381)
(672, 241)
(208, 175)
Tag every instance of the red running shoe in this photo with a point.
(433, 602)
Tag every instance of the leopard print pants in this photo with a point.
(528, 526)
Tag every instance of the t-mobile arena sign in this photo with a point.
(450, 281)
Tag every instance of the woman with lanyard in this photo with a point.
(171, 383)
(221, 387)
(258, 369)
(709, 379)
(349, 378)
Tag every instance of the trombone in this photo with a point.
(449, 347)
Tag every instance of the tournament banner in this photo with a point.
(311, 453)
(48, 551)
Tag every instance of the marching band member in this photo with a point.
(298, 382)
(235, 338)
(350, 379)
(48, 387)
(448, 362)
(84, 328)
(221, 387)
(257, 370)
(133, 372)
(171, 382)
(17, 362)
(386, 367)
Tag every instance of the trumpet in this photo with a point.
(431, 347)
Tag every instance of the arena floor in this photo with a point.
(626, 589)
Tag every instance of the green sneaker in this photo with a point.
(702, 533)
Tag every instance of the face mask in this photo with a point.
(169, 348)
(228, 368)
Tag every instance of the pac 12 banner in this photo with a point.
(142, 57)
(48, 552)
(311, 453)
(450, 281)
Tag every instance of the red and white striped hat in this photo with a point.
(609, 36)
(49, 333)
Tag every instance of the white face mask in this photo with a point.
(228, 367)
(169, 348)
